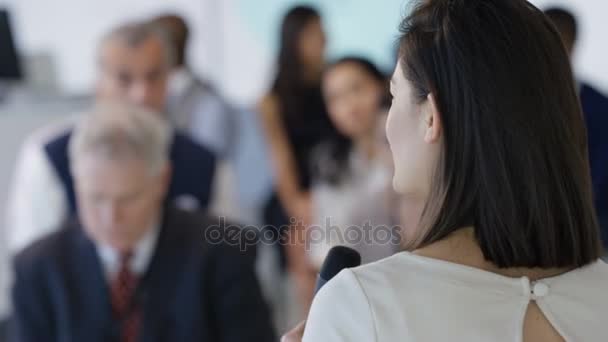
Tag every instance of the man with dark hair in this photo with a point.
(595, 108)
(195, 105)
(198, 109)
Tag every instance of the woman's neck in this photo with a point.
(461, 247)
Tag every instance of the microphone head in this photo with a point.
(339, 258)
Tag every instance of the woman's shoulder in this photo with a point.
(340, 311)
(397, 265)
(398, 275)
(593, 278)
(403, 272)
(371, 302)
(363, 303)
(392, 269)
(436, 281)
(406, 267)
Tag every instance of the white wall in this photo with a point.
(234, 40)
(70, 29)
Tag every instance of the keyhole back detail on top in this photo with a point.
(537, 327)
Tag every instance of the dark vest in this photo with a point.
(193, 169)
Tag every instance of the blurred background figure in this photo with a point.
(295, 121)
(194, 105)
(11, 69)
(132, 268)
(134, 64)
(352, 185)
(198, 110)
(595, 108)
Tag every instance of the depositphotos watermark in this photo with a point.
(329, 233)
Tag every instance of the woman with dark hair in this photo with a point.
(294, 121)
(352, 171)
(487, 133)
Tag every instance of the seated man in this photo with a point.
(134, 64)
(131, 268)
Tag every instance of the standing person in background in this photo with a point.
(595, 109)
(352, 183)
(194, 105)
(294, 120)
(198, 110)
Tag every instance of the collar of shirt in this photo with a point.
(142, 253)
(180, 81)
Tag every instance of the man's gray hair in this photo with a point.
(117, 131)
(135, 33)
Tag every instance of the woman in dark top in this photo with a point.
(295, 120)
(307, 124)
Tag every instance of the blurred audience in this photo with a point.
(295, 121)
(352, 185)
(193, 104)
(595, 108)
(134, 65)
(132, 268)
(106, 215)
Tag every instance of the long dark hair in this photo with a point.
(290, 78)
(514, 163)
(301, 106)
(332, 157)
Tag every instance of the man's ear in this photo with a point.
(434, 126)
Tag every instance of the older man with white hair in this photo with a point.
(132, 267)
(134, 63)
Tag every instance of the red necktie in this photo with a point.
(124, 307)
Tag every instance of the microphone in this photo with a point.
(338, 258)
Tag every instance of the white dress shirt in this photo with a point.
(143, 251)
(37, 202)
(408, 297)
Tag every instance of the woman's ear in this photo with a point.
(433, 122)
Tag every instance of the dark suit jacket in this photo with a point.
(193, 290)
(193, 169)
